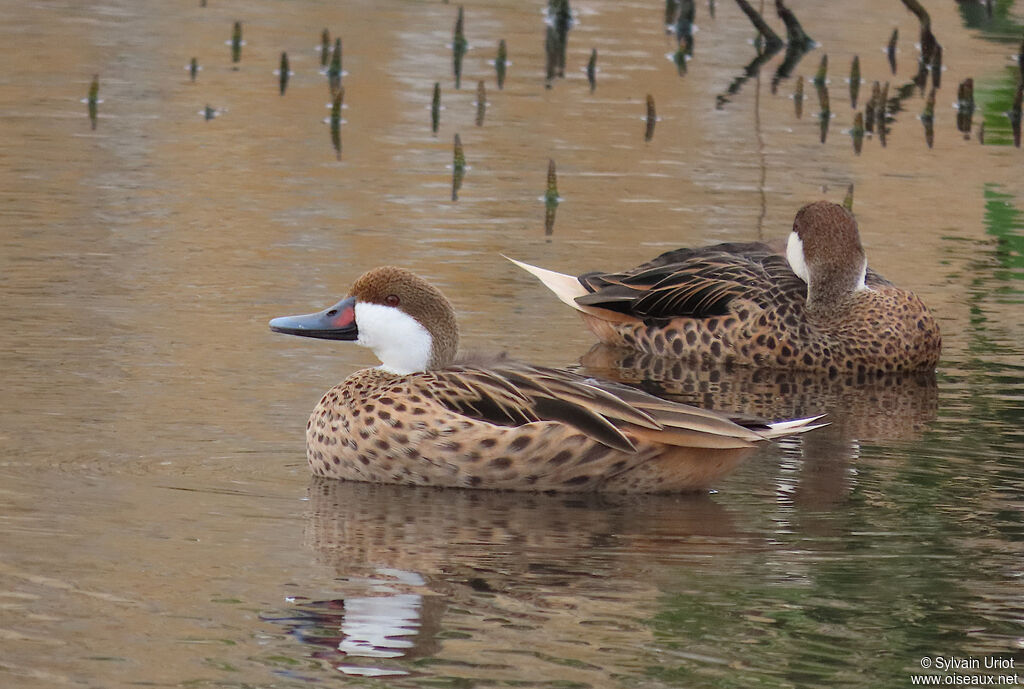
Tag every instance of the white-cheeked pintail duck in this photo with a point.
(817, 307)
(428, 416)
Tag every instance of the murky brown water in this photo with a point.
(159, 525)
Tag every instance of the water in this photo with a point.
(159, 524)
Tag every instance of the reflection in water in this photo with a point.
(798, 44)
(450, 586)
(376, 626)
(335, 121)
(884, 407)
(558, 20)
(881, 408)
(496, 585)
(360, 634)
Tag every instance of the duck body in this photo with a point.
(383, 428)
(448, 420)
(818, 307)
(742, 303)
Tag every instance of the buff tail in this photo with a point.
(567, 288)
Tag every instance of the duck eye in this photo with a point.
(392, 300)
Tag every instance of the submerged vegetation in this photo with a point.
(998, 114)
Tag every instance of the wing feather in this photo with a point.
(513, 394)
(695, 283)
(687, 283)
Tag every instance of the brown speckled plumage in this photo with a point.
(506, 425)
(403, 429)
(743, 303)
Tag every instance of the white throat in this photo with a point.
(863, 275)
(795, 256)
(399, 341)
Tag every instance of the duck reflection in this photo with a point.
(355, 633)
(859, 409)
(878, 407)
(496, 585)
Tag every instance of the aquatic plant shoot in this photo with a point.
(592, 70)
(458, 168)
(854, 81)
(890, 50)
(650, 119)
(551, 199)
(928, 119)
(459, 48)
(236, 43)
(325, 47)
(93, 100)
(435, 108)
(481, 102)
(501, 63)
(283, 73)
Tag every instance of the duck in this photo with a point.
(814, 305)
(432, 416)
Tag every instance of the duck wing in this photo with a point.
(510, 393)
(695, 283)
(687, 426)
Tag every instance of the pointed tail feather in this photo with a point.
(780, 429)
(567, 288)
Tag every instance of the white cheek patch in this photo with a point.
(401, 343)
(795, 256)
(863, 274)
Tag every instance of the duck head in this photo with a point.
(407, 322)
(824, 250)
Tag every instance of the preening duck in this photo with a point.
(817, 307)
(429, 416)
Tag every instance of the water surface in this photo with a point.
(159, 524)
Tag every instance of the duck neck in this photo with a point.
(832, 290)
(444, 343)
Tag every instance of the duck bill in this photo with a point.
(335, 323)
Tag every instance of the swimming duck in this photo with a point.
(818, 307)
(429, 416)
